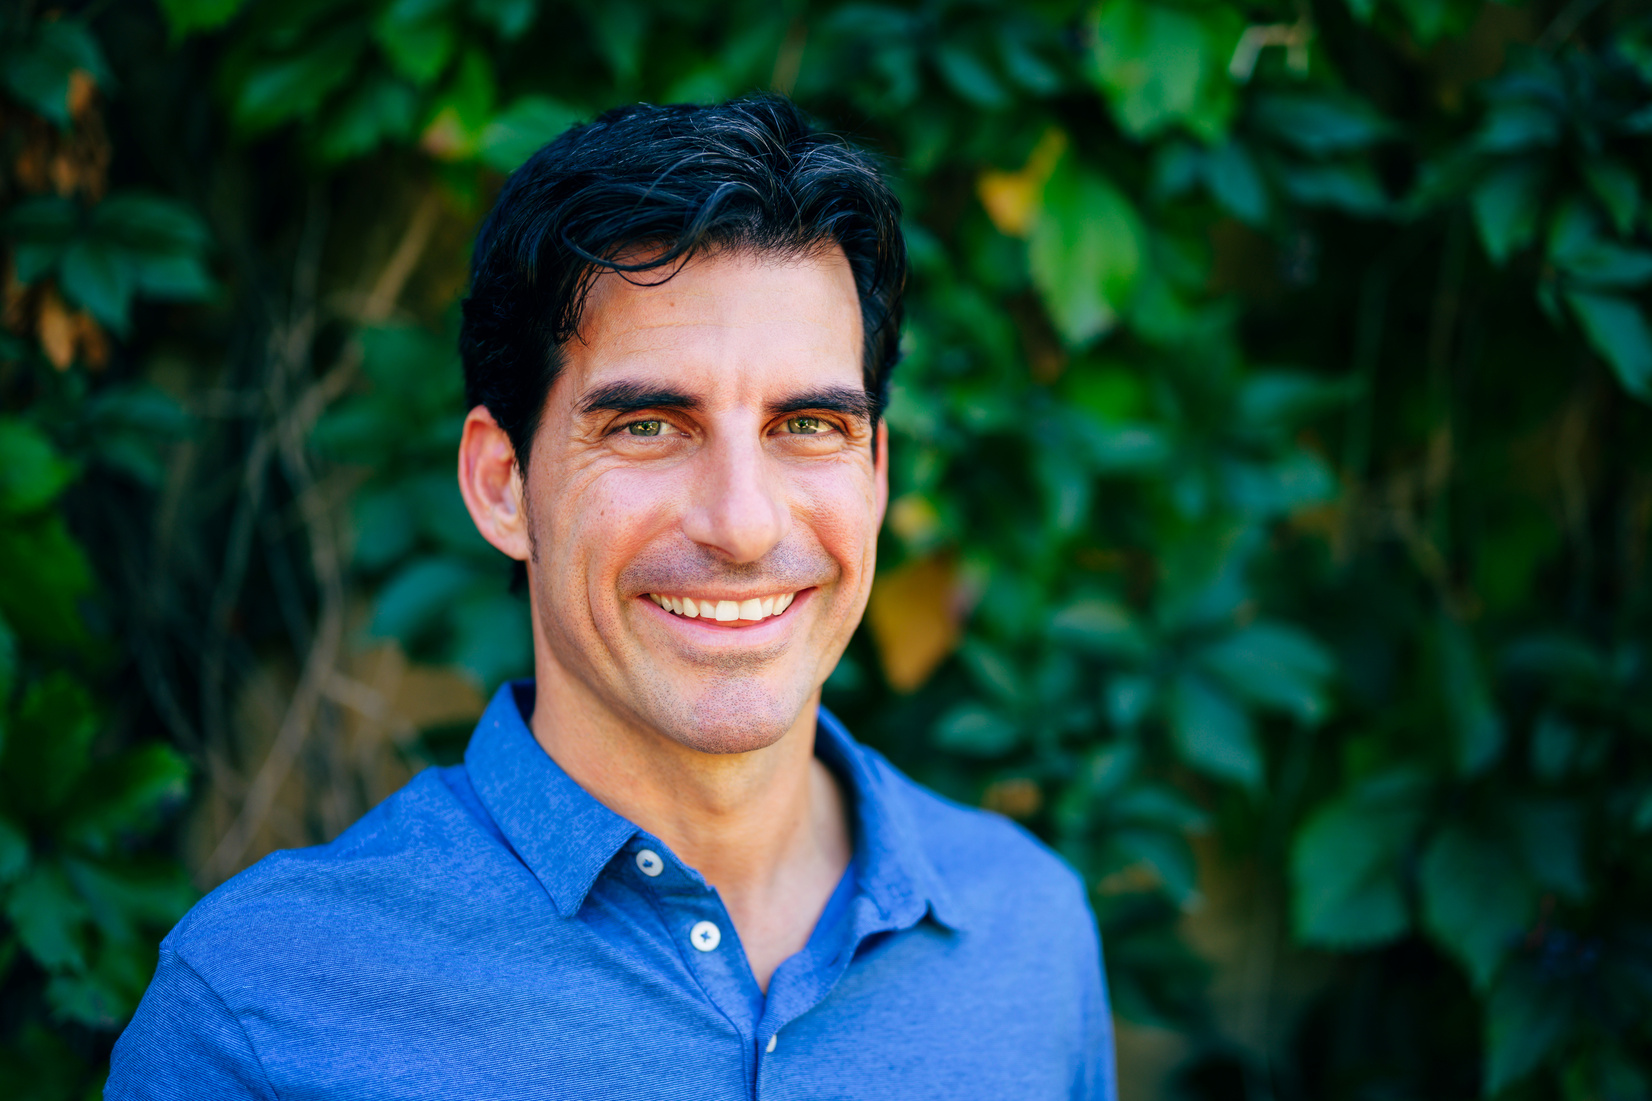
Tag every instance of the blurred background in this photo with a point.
(1271, 497)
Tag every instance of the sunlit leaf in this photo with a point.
(1086, 252)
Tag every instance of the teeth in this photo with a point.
(725, 611)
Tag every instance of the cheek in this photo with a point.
(602, 518)
(840, 508)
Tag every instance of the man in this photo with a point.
(662, 870)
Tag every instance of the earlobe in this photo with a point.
(491, 483)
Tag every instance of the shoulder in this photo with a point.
(991, 866)
(417, 842)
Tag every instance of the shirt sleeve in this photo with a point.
(184, 1042)
(1097, 1078)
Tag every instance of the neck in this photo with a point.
(767, 828)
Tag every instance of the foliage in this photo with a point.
(1258, 524)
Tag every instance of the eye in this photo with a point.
(645, 428)
(806, 426)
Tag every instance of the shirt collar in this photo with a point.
(566, 837)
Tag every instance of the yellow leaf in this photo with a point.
(57, 329)
(447, 138)
(914, 617)
(1012, 198)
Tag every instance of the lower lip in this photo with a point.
(737, 625)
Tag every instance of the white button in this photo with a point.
(649, 861)
(772, 1039)
(705, 936)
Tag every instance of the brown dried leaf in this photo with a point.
(1017, 797)
(914, 617)
(56, 328)
(82, 92)
(92, 340)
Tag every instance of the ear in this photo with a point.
(491, 483)
(880, 462)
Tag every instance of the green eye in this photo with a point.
(805, 426)
(644, 428)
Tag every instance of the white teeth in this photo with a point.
(725, 611)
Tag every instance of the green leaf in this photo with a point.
(1212, 733)
(14, 852)
(509, 17)
(1618, 190)
(1100, 626)
(46, 750)
(41, 229)
(1525, 1019)
(492, 638)
(1346, 861)
(522, 129)
(1161, 66)
(1506, 204)
(1273, 405)
(969, 77)
(418, 37)
(124, 795)
(1550, 836)
(1617, 329)
(975, 731)
(186, 16)
(127, 897)
(1320, 124)
(48, 918)
(32, 474)
(1476, 900)
(99, 278)
(1517, 126)
(1086, 252)
(418, 596)
(1235, 182)
(1350, 186)
(1477, 726)
(1273, 665)
(1168, 854)
(151, 225)
(43, 576)
(379, 109)
(38, 73)
(293, 85)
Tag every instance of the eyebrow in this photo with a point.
(628, 397)
(848, 401)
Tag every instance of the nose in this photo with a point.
(738, 507)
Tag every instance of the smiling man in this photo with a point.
(662, 870)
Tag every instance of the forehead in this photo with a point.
(728, 321)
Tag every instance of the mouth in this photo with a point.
(725, 613)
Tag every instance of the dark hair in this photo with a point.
(750, 174)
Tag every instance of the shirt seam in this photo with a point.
(258, 1060)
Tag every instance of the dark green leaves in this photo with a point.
(1347, 864)
(130, 244)
(1476, 899)
(37, 69)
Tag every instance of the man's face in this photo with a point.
(704, 496)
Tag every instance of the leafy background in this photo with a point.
(1271, 500)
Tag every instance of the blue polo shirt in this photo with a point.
(492, 931)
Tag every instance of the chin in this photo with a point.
(736, 718)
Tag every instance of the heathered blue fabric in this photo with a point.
(486, 933)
